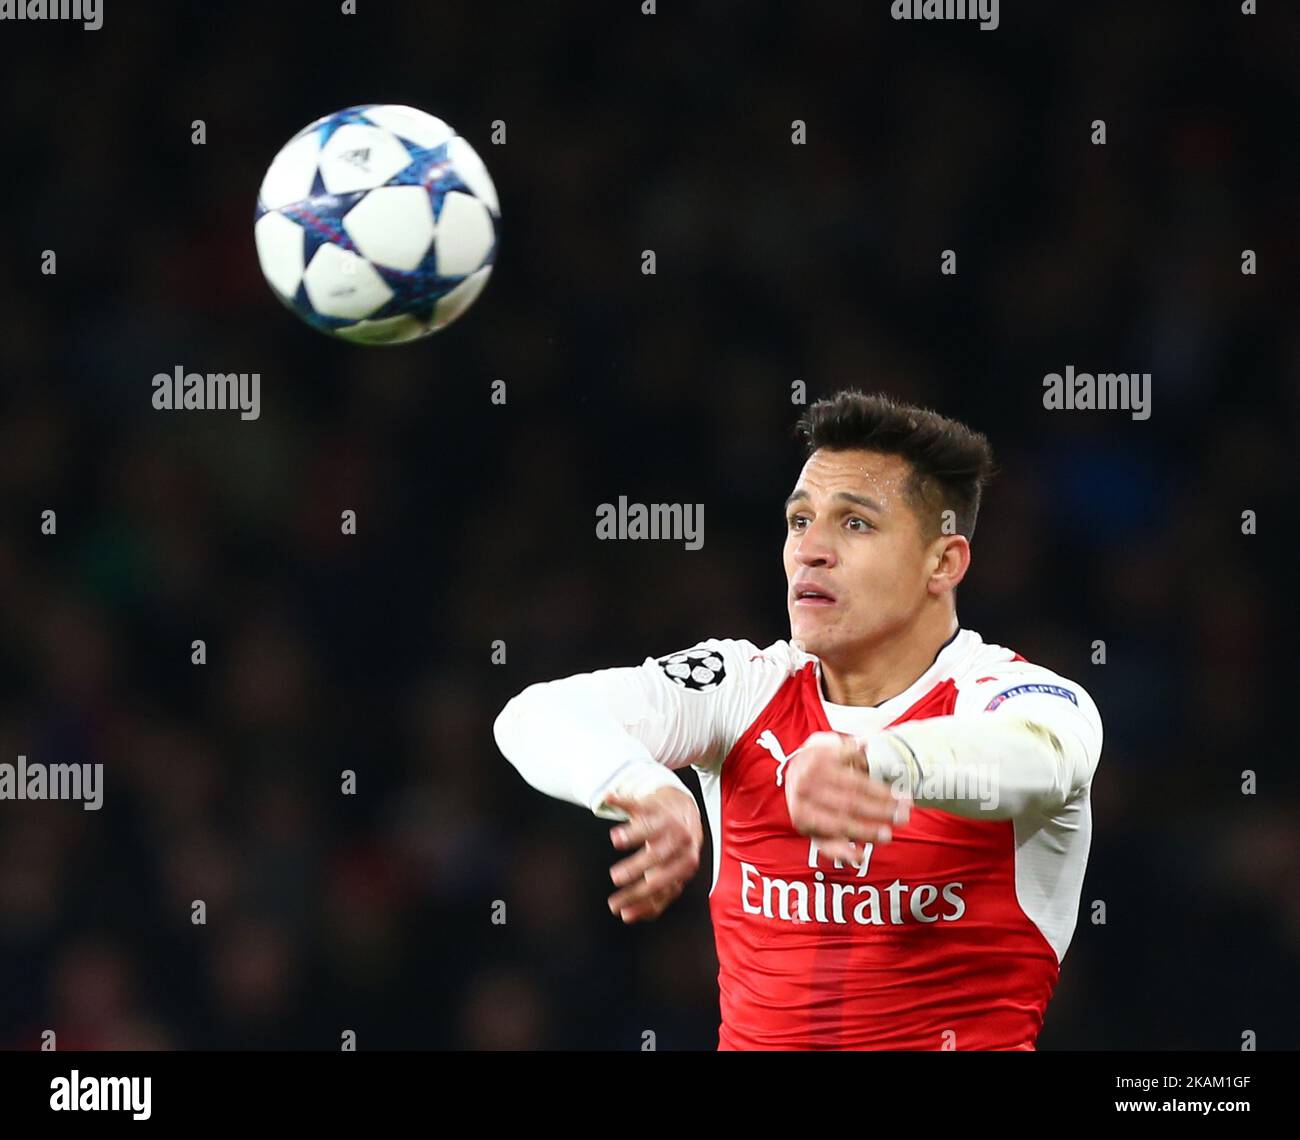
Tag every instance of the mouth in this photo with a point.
(811, 596)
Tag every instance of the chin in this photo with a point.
(814, 641)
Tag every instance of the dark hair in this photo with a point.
(950, 463)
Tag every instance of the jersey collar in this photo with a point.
(955, 649)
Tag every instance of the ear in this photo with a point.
(949, 560)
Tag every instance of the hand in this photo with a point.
(833, 797)
(665, 827)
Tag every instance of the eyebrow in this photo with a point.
(847, 496)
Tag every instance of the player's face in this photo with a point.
(856, 563)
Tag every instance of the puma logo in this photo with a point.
(767, 739)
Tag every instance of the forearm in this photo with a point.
(567, 741)
(983, 766)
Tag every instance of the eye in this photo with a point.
(793, 521)
(863, 528)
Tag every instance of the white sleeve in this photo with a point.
(623, 730)
(1028, 742)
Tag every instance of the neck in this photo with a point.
(883, 670)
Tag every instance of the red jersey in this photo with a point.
(948, 937)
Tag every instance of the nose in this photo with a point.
(813, 547)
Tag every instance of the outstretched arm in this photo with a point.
(583, 737)
(988, 766)
(1030, 749)
(610, 740)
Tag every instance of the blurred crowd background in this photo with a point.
(775, 263)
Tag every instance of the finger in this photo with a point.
(630, 834)
(886, 790)
(645, 808)
(838, 802)
(820, 824)
(849, 789)
(857, 782)
(632, 830)
(677, 867)
(871, 814)
(853, 752)
(633, 867)
(646, 912)
(621, 803)
(656, 879)
(650, 826)
(842, 801)
(651, 908)
(660, 849)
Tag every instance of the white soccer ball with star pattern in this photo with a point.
(377, 224)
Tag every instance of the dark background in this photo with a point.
(476, 522)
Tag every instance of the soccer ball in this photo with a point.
(377, 224)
